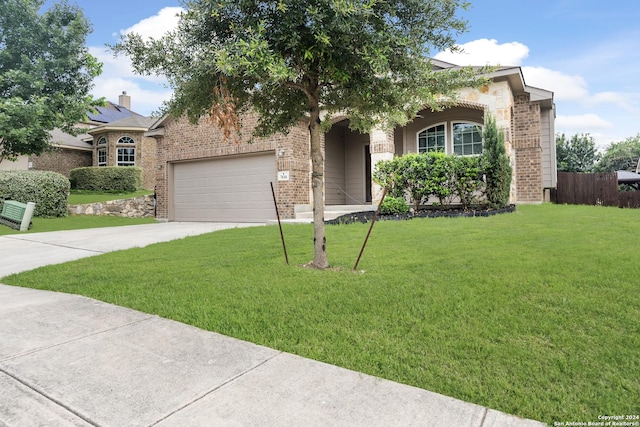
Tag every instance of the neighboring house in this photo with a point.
(203, 177)
(122, 143)
(114, 137)
(67, 152)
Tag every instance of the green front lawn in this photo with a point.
(534, 313)
(78, 222)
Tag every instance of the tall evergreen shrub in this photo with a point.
(496, 165)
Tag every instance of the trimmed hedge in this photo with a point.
(48, 190)
(423, 175)
(107, 178)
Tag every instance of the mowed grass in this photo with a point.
(535, 313)
(41, 225)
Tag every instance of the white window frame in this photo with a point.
(449, 137)
(132, 154)
(102, 151)
(102, 141)
(472, 144)
(127, 140)
(444, 129)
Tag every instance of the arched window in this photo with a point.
(102, 140)
(125, 156)
(467, 139)
(432, 139)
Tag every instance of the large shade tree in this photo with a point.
(288, 59)
(621, 155)
(46, 73)
(576, 154)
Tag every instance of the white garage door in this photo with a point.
(235, 189)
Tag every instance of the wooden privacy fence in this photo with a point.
(594, 189)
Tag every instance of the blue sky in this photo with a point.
(586, 51)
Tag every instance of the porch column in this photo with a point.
(381, 148)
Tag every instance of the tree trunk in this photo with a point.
(317, 186)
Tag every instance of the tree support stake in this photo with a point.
(275, 203)
(373, 221)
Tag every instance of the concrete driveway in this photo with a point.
(68, 360)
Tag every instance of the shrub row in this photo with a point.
(421, 176)
(451, 178)
(48, 190)
(109, 178)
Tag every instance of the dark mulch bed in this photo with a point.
(367, 216)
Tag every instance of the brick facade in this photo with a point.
(61, 160)
(183, 141)
(527, 146)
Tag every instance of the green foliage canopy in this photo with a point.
(366, 59)
(107, 178)
(46, 74)
(577, 154)
(621, 155)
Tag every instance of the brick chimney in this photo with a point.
(124, 100)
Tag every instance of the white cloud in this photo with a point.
(565, 87)
(485, 51)
(626, 101)
(157, 25)
(147, 92)
(600, 129)
(582, 121)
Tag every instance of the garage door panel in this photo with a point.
(225, 189)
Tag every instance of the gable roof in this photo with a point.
(134, 122)
(64, 140)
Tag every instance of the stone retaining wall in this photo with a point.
(138, 207)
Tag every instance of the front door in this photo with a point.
(367, 173)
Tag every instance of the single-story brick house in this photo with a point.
(67, 152)
(114, 137)
(117, 137)
(122, 143)
(203, 177)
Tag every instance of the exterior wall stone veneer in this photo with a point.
(138, 207)
(382, 147)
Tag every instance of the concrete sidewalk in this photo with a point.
(71, 360)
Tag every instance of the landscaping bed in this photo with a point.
(453, 212)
